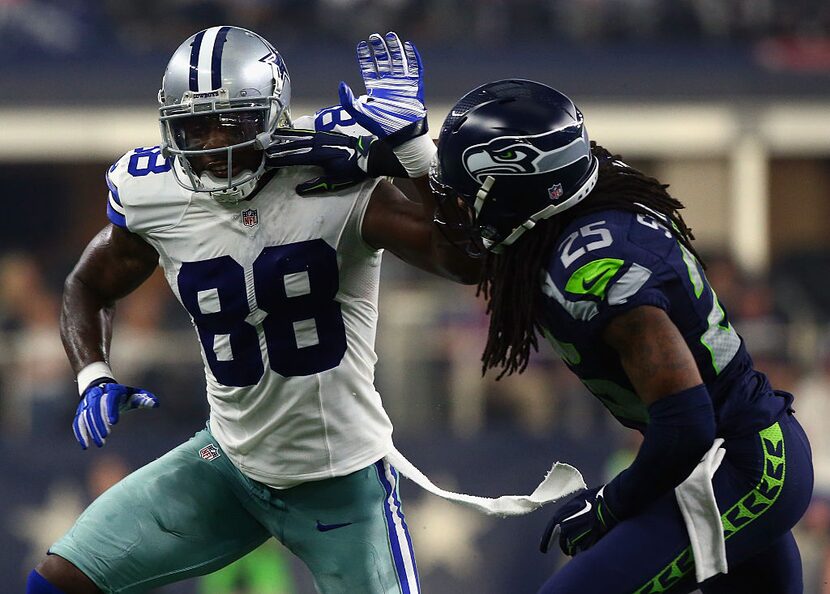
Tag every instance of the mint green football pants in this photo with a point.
(192, 512)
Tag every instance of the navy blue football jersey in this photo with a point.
(611, 261)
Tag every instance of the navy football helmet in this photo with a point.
(510, 152)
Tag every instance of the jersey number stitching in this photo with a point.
(294, 287)
(568, 257)
(144, 161)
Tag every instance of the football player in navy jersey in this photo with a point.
(593, 255)
(282, 291)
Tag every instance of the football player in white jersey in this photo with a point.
(282, 292)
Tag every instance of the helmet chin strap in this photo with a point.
(224, 194)
(483, 191)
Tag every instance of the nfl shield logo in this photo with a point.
(250, 217)
(555, 192)
(209, 452)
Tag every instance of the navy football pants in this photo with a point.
(762, 487)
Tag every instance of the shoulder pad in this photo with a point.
(601, 260)
(143, 193)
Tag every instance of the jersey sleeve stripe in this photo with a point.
(115, 210)
(115, 217)
(628, 285)
(113, 204)
(114, 197)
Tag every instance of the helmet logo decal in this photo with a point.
(277, 65)
(555, 192)
(524, 155)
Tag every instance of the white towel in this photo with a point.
(696, 498)
(561, 480)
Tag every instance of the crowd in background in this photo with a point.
(74, 26)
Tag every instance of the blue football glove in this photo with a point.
(344, 159)
(579, 523)
(394, 96)
(100, 406)
(393, 107)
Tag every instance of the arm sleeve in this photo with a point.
(681, 429)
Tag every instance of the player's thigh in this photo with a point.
(757, 520)
(775, 570)
(351, 533)
(176, 517)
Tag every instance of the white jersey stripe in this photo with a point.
(206, 58)
(115, 206)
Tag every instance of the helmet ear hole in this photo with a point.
(458, 124)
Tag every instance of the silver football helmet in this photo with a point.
(224, 92)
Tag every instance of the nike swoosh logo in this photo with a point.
(581, 512)
(349, 151)
(326, 527)
(588, 283)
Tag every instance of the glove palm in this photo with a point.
(394, 96)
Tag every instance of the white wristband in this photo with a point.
(92, 372)
(416, 154)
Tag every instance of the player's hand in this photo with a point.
(393, 107)
(344, 159)
(100, 407)
(579, 523)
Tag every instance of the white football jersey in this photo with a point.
(282, 291)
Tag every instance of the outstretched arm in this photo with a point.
(406, 228)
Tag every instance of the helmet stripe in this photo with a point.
(206, 59)
(194, 61)
(216, 58)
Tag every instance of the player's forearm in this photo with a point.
(85, 324)
(452, 261)
(681, 429)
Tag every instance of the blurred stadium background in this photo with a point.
(726, 100)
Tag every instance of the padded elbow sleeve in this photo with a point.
(681, 429)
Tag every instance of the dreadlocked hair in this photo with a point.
(511, 281)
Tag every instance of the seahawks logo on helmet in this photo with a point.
(525, 155)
